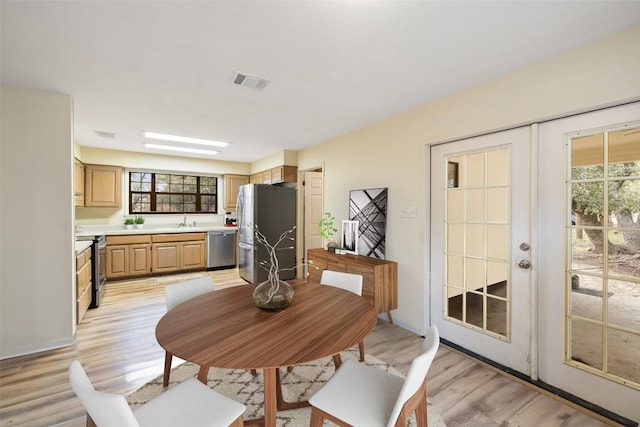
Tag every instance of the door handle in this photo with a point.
(524, 264)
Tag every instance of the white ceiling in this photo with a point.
(334, 66)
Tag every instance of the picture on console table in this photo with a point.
(369, 208)
(350, 236)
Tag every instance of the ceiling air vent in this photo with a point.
(105, 134)
(249, 80)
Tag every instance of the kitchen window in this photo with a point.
(155, 192)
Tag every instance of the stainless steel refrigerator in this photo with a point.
(272, 208)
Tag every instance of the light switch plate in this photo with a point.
(408, 212)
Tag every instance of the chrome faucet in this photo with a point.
(184, 221)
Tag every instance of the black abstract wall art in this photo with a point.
(369, 208)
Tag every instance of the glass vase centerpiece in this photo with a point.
(273, 294)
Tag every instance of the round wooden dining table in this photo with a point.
(225, 329)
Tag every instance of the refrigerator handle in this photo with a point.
(238, 209)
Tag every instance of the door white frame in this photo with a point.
(600, 391)
(523, 345)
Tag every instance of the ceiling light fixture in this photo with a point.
(183, 149)
(188, 140)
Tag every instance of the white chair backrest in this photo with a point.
(347, 281)
(105, 409)
(180, 292)
(417, 372)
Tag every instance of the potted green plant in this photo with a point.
(327, 230)
(139, 221)
(128, 223)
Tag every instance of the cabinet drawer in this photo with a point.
(177, 237)
(83, 302)
(80, 260)
(83, 276)
(83, 257)
(130, 239)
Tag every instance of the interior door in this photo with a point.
(589, 300)
(481, 247)
(312, 210)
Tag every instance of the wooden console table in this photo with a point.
(380, 277)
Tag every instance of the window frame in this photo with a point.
(153, 193)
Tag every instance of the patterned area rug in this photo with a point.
(297, 385)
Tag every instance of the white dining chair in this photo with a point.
(189, 403)
(363, 396)
(176, 294)
(349, 282)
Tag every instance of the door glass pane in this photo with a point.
(478, 236)
(455, 205)
(498, 204)
(475, 274)
(498, 168)
(454, 303)
(498, 242)
(619, 343)
(497, 274)
(475, 240)
(497, 315)
(455, 271)
(587, 156)
(455, 238)
(475, 205)
(586, 343)
(604, 254)
(475, 170)
(474, 309)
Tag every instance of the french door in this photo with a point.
(589, 283)
(481, 245)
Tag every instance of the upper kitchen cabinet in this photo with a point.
(276, 175)
(232, 184)
(103, 186)
(78, 182)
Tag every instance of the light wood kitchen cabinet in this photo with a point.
(83, 283)
(128, 256)
(276, 175)
(232, 184)
(166, 257)
(379, 277)
(131, 255)
(103, 186)
(256, 178)
(193, 255)
(178, 252)
(78, 182)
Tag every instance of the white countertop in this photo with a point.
(111, 230)
(82, 245)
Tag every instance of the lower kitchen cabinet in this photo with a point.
(83, 283)
(166, 257)
(148, 254)
(128, 256)
(178, 252)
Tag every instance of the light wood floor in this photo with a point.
(116, 344)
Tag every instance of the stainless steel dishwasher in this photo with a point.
(221, 249)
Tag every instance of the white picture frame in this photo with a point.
(349, 240)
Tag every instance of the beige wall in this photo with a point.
(285, 157)
(86, 216)
(37, 291)
(392, 153)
